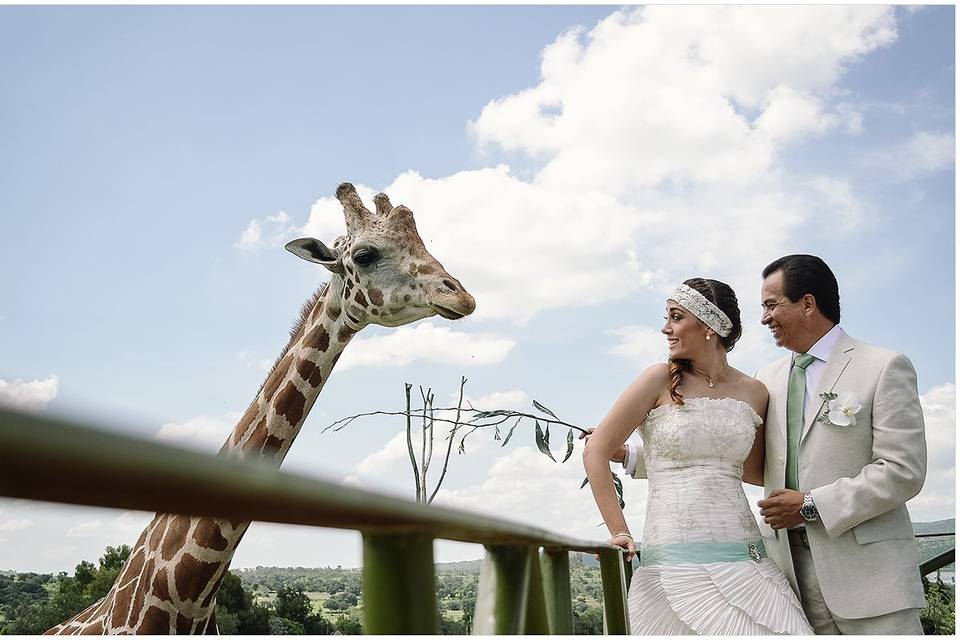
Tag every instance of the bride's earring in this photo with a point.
(708, 336)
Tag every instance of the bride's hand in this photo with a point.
(624, 541)
(617, 455)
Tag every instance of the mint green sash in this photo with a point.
(702, 552)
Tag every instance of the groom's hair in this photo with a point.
(803, 274)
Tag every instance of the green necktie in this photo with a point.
(796, 390)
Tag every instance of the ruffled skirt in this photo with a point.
(720, 598)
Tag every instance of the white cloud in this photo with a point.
(202, 432)
(10, 526)
(267, 233)
(515, 400)
(525, 486)
(643, 345)
(835, 196)
(124, 526)
(32, 395)
(923, 153)
(394, 449)
(425, 342)
(937, 500)
(653, 138)
(250, 361)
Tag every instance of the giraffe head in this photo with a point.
(389, 277)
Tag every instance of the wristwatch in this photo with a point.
(809, 510)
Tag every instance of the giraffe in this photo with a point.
(381, 274)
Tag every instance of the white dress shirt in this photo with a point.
(820, 351)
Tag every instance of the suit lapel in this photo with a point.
(781, 381)
(839, 359)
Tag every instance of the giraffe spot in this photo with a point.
(257, 438)
(348, 285)
(360, 298)
(344, 335)
(121, 606)
(192, 576)
(426, 269)
(318, 339)
(96, 629)
(156, 530)
(134, 564)
(317, 310)
(156, 622)
(333, 311)
(161, 588)
(376, 296)
(137, 606)
(175, 537)
(184, 625)
(374, 312)
(276, 378)
(213, 594)
(290, 403)
(412, 286)
(406, 297)
(307, 370)
(208, 535)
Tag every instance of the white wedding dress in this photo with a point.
(703, 568)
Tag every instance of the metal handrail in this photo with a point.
(59, 460)
(937, 562)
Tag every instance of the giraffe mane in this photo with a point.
(296, 329)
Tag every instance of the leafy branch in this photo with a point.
(467, 420)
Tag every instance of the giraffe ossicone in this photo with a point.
(381, 273)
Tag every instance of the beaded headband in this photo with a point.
(708, 313)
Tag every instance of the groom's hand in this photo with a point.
(617, 455)
(781, 509)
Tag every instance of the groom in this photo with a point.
(839, 468)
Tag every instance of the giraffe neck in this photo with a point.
(274, 418)
(170, 581)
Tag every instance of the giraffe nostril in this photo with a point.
(450, 284)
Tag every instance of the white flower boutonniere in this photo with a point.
(841, 410)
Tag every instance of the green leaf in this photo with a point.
(544, 409)
(569, 445)
(618, 485)
(543, 441)
(510, 433)
(584, 483)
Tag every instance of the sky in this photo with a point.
(569, 165)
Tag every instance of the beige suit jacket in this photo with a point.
(860, 477)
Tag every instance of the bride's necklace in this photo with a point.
(710, 381)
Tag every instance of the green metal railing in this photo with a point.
(525, 577)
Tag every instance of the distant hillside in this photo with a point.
(938, 526)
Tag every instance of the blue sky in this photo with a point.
(567, 164)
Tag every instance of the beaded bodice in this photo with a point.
(694, 456)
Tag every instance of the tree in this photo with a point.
(293, 604)
(348, 626)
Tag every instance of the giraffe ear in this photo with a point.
(315, 251)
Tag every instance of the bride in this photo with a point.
(703, 566)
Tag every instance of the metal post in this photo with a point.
(615, 620)
(555, 568)
(536, 620)
(399, 585)
(501, 607)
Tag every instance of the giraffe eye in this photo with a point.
(365, 256)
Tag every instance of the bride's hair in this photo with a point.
(723, 296)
